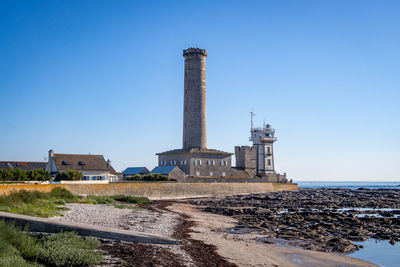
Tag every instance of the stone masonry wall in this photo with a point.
(194, 110)
(157, 190)
(190, 168)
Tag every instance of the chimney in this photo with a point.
(108, 162)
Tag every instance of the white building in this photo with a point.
(92, 167)
(263, 140)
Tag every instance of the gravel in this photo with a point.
(138, 220)
(152, 221)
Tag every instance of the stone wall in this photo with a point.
(246, 159)
(158, 190)
(191, 169)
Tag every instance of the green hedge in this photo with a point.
(154, 177)
(69, 175)
(17, 175)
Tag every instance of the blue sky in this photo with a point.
(106, 77)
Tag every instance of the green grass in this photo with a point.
(18, 248)
(35, 203)
(32, 203)
(130, 199)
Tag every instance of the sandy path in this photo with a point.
(243, 250)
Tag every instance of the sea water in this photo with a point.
(380, 252)
(349, 185)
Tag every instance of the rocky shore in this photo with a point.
(250, 233)
(328, 220)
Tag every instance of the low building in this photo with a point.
(22, 165)
(171, 171)
(92, 167)
(131, 171)
(198, 162)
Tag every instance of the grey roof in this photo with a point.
(195, 150)
(163, 169)
(135, 170)
(80, 162)
(110, 168)
(23, 165)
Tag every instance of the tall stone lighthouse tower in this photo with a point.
(194, 110)
(195, 159)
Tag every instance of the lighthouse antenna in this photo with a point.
(251, 119)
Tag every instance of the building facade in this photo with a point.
(196, 162)
(92, 167)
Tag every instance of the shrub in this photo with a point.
(100, 199)
(136, 177)
(64, 194)
(17, 248)
(69, 175)
(38, 175)
(154, 177)
(68, 249)
(18, 175)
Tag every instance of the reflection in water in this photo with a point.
(379, 252)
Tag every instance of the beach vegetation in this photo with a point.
(19, 248)
(40, 204)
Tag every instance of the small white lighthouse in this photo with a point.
(263, 140)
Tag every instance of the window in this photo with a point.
(94, 178)
(82, 163)
(211, 173)
(269, 150)
(223, 174)
(65, 162)
(183, 162)
(269, 162)
(210, 162)
(103, 178)
(224, 163)
(174, 162)
(197, 162)
(197, 173)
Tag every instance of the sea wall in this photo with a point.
(156, 190)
